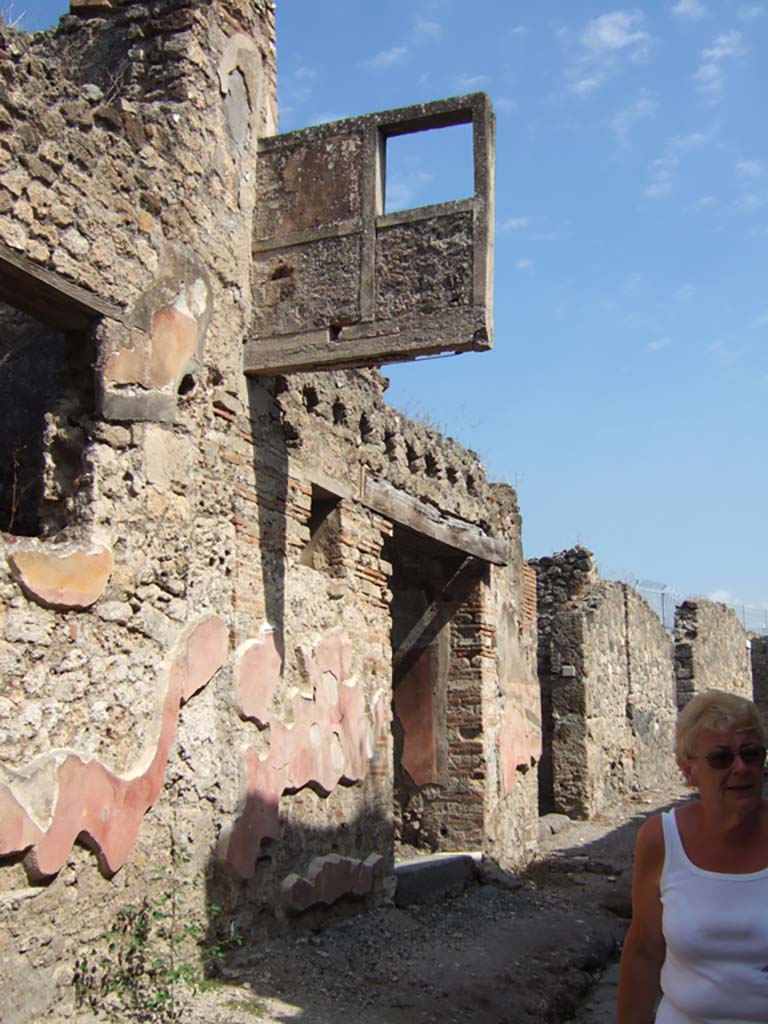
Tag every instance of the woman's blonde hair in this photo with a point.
(715, 709)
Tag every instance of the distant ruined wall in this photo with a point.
(759, 658)
(606, 674)
(712, 650)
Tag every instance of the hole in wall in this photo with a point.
(46, 394)
(366, 429)
(339, 413)
(281, 272)
(310, 398)
(186, 385)
(321, 550)
(390, 443)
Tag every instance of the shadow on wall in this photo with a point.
(270, 464)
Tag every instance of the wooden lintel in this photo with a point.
(47, 296)
(421, 518)
(409, 512)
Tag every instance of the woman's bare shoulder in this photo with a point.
(649, 846)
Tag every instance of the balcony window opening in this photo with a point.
(428, 167)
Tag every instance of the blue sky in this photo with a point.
(625, 396)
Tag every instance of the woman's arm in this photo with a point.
(644, 946)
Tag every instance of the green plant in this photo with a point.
(155, 957)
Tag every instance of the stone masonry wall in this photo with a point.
(759, 657)
(712, 650)
(195, 650)
(605, 667)
(337, 426)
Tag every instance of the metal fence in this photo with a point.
(664, 599)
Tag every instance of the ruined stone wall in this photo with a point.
(605, 667)
(121, 727)
(759, 658)
(483, 793)
(712, 650)
(651, 705)
(512, 723)
(195, 636)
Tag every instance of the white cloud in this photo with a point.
(663, 168)
(426, 29)
(761, 320)
(690, 10)
(751, 201)
(751, 11)
(470, 82)
(387, 58)
(619, 30)
(749, 169)
(709, 77)
(643, 107)
(684, 293)
(706, 201)
(581, 86)
(602, 46)
(727, 45)
(723, 596)
(663, 173)
(524, 264)
(506, 104)
(519, 30)
(304, 74)
(658, 344)
(681, 143)
(514, 224)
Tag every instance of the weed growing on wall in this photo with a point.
(154, 958)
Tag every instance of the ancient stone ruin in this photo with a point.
(236, 586)
(612, 681)
(258, 629)
(607, 687)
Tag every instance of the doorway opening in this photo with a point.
(436, 704)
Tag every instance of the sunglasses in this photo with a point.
(722, 759)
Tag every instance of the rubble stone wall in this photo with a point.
(337, 427)
(195, 638)
(607, 687)
(712, 650)
(759, 658)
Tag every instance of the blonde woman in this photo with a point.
(700, 886)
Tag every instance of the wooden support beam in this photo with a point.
(437, 613)
(47, 296)
(430, 522)
(419, 517)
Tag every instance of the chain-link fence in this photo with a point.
(664, 599)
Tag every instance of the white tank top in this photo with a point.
(716, 929)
